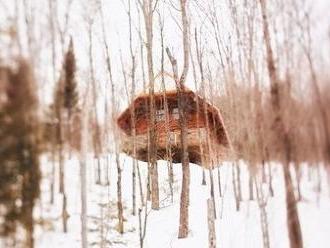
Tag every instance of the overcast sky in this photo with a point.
(117, 33)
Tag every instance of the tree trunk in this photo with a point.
(113, 110)
(29, 227)
(270, 182)
(263, 215)
(219, 182)
(203, 177)
(251, 192)
(62, 177)
(83, 178)
(83, 195)
(182, 106)
(210, 222)
(134, 188)
(148, 9)
(97, 135)
(140, 228)
(60, 158)
(237, 201)
(167, 118)
(65, 215)
(140, 184)
(184, 204)
(154, 186)
(212, 192)
(119, 198)
(52, 177)
(238, 180)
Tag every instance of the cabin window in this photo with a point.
(160, 115)
(175, 113)
(173, 138)
(203, 132)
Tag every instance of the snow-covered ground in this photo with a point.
(233, 229)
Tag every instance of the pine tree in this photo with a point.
(19, 152)
(66, 94)
(70, 97)
(65, 99)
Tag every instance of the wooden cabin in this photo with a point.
(208, 143)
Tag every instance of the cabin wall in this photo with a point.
(142, 123)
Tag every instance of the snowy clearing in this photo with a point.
(233, 229)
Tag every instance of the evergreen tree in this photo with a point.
(66, 95)
(19, 152)
(65, 100)
(70, 86)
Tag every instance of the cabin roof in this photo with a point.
(143, 98)
(142, 101)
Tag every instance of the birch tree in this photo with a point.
(180, 81)
(120, 210)
(148, 8)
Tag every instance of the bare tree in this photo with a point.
(295, 236)
(180, 81)
(83, 179)
(58, 108)
(132, 110)
(148, 8)
(167, 114)
(307, 49)
(97, 135)
(53, 48)
(120, 211)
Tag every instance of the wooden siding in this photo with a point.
(142, 123)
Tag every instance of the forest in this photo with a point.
(164, 123)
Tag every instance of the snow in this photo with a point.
(233, 228)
